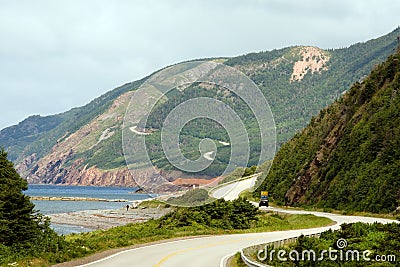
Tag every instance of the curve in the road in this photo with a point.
(211, 250)
(232, 191)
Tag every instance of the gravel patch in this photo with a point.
(105, 219)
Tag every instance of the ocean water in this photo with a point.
(52, 207)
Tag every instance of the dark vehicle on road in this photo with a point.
(264, 201)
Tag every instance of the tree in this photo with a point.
(18, 222)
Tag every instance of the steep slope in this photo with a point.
(65, 163)
(38, 134)
(83, 145)
(295, 102)
(348, 157)
(19, 136)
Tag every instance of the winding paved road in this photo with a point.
(231, 191)
(210, 251)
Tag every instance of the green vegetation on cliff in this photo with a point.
(219, 217)
(348, 157)
(295, 103)
(22, 231)
(297, 82)
(381, 240)
(38, 134)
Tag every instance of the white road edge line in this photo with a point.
(144, 246)
(222, 262)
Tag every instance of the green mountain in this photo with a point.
(348, 157)
(83, 145)
(38, 134)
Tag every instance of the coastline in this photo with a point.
(105, 219)
(75, 209)
(49, 198)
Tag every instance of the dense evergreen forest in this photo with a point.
(348, 157)
(293, 103)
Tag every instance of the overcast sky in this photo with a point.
(55, 55)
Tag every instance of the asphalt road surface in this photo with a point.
(210, 251)
(232, 191)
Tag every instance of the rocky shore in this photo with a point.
(76, 199)
(105, 219)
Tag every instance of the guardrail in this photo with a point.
(246, 253)
(251, 263)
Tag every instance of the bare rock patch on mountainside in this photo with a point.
(312, 60)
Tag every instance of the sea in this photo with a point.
(52, 207)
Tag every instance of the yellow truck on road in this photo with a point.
(264, 199)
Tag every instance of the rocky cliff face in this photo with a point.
(65, 162)
(312, 60)
(309, 176)
(55, 173)
(83, 146)
(348, 157)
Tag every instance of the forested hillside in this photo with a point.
(38, 134)
(295, 101)
(83, 145)
(348, 157)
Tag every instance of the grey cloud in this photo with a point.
(55, 55)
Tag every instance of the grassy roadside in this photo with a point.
(381, 241)
(178, 224)
(391, 216)
(236, 261)
(135, 234)
(249, 195)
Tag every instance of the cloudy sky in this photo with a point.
(55, 55)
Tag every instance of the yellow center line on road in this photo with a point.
(169, 256)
